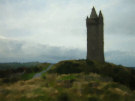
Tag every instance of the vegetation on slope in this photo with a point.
(67, 87)
(74, 80)
(120, 74)
(22, 73)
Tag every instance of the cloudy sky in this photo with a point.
(54, 30)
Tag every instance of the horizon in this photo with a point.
(52, 30)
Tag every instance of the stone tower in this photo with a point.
(95, 36)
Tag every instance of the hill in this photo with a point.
(118, 73)
(75, 80)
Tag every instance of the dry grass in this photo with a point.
(78, 87)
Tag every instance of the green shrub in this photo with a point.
(27, 76)
(43, 76)
(92, 88)
(112, 96)
(63, 97)
(68, 77)
(116, 85)
(68, 67)
(94, 98)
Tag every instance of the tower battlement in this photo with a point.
(94, 18)
(90, 21)
(95, 36)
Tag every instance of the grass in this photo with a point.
(27, 76)
(120, 74)
(55, 87)
(82, 86)
(68, 77)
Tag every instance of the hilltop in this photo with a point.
(75, 80)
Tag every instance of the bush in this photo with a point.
(92, 88)
(67, 68)
(68, 77)
(112, 96)
(93, 98)
(63, 97)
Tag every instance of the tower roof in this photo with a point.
(100, 14)
(93, 13)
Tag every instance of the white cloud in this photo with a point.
(19, 51)
(61, 23)
(15, 50)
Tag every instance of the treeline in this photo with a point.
(15, 65)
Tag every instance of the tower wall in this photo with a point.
(101, 40)
(95, 31)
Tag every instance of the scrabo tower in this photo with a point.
(95, 36)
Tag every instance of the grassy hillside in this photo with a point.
(74, 80)
(118, 73)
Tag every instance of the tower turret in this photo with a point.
(93, 13)
(100, 17)
(100, 14)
